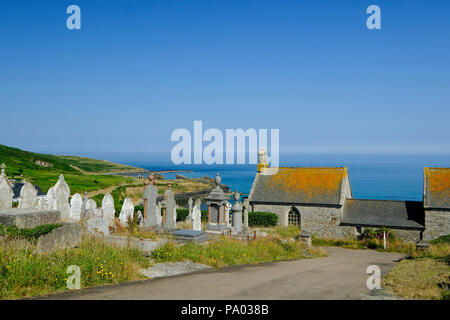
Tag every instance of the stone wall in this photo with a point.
(407, 235)
(320, 220)
(437, 223)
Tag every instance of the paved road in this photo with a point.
(341, 275)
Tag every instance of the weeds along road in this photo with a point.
(341, 275)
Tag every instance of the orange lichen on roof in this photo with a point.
(438, 181)
(310, 182)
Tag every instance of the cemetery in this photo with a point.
(62, 228)
(153, 235)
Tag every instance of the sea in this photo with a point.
(372, 176)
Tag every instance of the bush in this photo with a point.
(370, 234)
(262, 219)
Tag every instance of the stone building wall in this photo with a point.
(320, 220)
(437, 223)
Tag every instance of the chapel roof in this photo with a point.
(298, 185)
(383, 213)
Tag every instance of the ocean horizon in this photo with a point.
(372, 176)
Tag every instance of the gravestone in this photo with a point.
(237, 213)
(126, 212)
(197, 216)
(158, 213)
(189, 217)
(41, 202)
(91, 205)
(140, 217)
(28, 195)
(190, 236)
(108, 209)
(246, 205)
(150, 195)
(85, 200)
(75, 207)
(50, 200)
(170, 207)
(61, 193)
(6, 191)
(227, 214)
(97, 226)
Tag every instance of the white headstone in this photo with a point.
(6, 191)
(61, 193)
(91, 205)
(189, 217)
(28, 195)
(75, 207)
(108, 209)
(158, 213)
(50, 201)
(126, 212)
(227, 214)
(197, 216)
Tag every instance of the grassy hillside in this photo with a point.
(80, 173)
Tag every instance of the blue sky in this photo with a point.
(137, 70)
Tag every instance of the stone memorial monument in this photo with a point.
(217, 201)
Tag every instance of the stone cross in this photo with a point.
(197, 216)
(237, 213)
(170, 207)
(246, 205)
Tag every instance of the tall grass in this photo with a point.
(23, 273)
(225, 251)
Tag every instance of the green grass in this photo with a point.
(24, 273)
(225, 251)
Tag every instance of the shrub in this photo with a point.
(262, 219)
(370, 234)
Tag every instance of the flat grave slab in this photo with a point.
(190, 235)
(172, 269)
